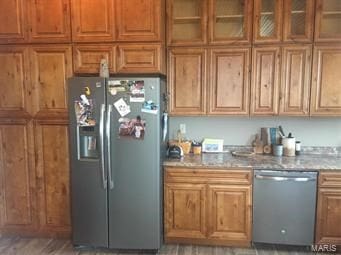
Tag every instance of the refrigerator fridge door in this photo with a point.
(135, 194)
(88, 169)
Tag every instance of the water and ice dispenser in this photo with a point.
(87, 142)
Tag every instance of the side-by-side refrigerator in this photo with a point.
(118, 134)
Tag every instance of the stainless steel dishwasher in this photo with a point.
(284, 204)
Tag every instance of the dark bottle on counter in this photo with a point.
(297, 148)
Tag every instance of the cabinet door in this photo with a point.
(53, 176)
(17, 179)
(49, 20)
(265, 80)
(230, 81)
(51, 66)
(13, 27)
(328, 20)
(298, 20)
(295, 85)
(326, 89)
(230, 21)
(267, 21)
(139, 58)
(229, 213)
(328, 230)
(185, 211)
(187, 81)
(87, 58)
(138, 20)
(14, 82)
(92, 21)
(186, 22)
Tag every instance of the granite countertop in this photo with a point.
(227, 160)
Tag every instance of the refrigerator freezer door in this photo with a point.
(135, 199)
(88, 174)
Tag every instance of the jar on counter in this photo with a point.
(298, 148)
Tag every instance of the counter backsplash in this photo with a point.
(307, 150)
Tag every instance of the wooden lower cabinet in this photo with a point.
(185, 210)
(328, 225)
(53, 177)
(17, 178)
(229, 213)
(208, 206)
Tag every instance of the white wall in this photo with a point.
(315, 131)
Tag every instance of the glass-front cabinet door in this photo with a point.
(230, 21)
(268, 17)
(328, 20)
(298, 20)
(187, 21)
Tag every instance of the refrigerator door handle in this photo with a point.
(101, 134)
(108, 133)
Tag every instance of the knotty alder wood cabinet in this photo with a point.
(326, 86)
(207, 206)
(35, 21)
(283, 20)
(34, 176)
(281, 80)
(226, 91)
(229, 21)
(328, 20)
(328, 219)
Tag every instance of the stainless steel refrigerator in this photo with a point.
(118, 134)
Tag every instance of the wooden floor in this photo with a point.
(32, 246)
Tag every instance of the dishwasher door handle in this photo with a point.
(282, 178)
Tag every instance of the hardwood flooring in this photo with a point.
(41, 246)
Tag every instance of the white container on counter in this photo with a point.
(289, 144)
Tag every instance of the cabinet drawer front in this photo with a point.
(330, 179)
(139, 58)
(200, 175)
(87, 58)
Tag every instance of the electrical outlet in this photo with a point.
(183, 128)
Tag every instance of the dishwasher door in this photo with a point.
(284, 204)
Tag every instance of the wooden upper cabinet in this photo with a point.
(267, 21)
(186, 22)
(185, 210)
(51, 66)
(187, 81)
(49, 21)
(92, 20)
(229, 213)
(298, 20)
(139, 58)
(15, 88)
(13, 27)
(53, 177)
(265, 80)
(230, 21)
(87, 57)
(326, 87)
(295, 85)
(328, 20)
(229, 81)
(17, 179)
(138, 20)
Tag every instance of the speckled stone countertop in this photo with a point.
(227, 160)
